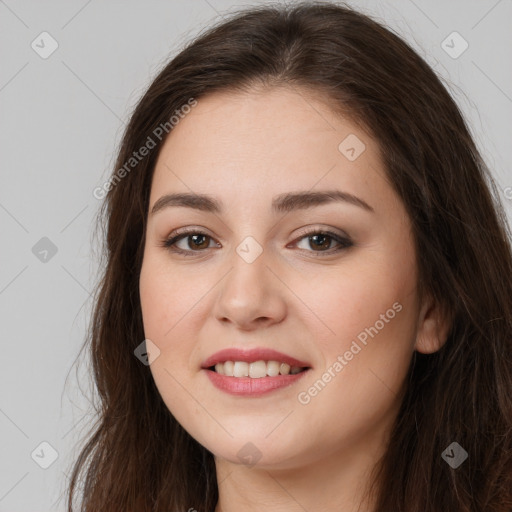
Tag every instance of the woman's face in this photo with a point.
(258, 273)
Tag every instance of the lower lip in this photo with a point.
(246, 386)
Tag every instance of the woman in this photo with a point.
(307, 298)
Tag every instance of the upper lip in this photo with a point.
(251, 355)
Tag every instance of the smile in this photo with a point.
(256, 369)
(253, 372)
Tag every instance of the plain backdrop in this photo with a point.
(62, 116)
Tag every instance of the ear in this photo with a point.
(433, 327)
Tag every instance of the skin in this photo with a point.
(244, 149)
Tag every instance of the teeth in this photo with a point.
(228, 368)
(272, 368)
(241, 369)
(256, 369)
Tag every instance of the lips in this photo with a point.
(240, 372)
(251, 356)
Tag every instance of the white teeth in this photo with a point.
(272, 368)
(256, 369)
(228, 368)
(241, 369)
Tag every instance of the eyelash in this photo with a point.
(344, 242)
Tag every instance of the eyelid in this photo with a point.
(311, 230)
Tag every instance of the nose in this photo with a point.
(251, 296)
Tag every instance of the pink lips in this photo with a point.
(247, 386)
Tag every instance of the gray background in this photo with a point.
(61, 121)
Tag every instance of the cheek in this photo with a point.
(364, 362)
(167, 299)
(371, 313)
(367, 295)
(172, 310)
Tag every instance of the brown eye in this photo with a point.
(321, 241)
(198, 241)
(195, 242)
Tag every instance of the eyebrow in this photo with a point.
(282, 203)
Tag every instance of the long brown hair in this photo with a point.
(137, 457)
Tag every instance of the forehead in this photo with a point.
(268, 140)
